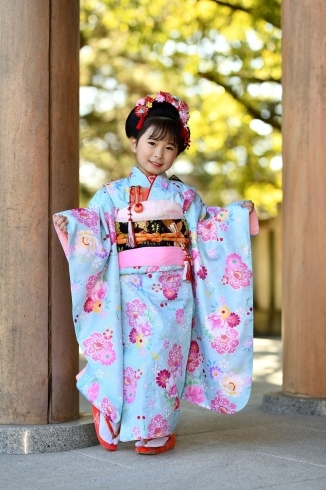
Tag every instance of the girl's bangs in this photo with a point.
(165, 129)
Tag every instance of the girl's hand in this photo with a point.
(249, 205)
(61, 222)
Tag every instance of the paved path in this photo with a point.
(249, 450)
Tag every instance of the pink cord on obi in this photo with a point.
(151, 256)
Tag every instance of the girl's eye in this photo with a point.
(169, 148)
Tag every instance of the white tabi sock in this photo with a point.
(105, 431)
(158, 442)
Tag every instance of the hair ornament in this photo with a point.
(145, 104)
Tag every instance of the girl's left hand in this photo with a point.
(249, 205)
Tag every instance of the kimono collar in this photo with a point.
(136, 177)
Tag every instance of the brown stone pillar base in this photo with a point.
(282, 403)
(31, 439)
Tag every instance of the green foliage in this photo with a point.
(222, 57)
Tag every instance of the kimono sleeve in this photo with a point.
(220, 356)
(96, 302)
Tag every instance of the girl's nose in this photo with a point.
(158, 152)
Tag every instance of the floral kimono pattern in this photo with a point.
(151, 337)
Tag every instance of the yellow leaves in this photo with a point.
(201, 52)
(265, 196)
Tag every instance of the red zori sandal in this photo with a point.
(145, 449)
(114, 435)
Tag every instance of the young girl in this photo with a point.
(161, 289)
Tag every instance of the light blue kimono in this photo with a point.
(149, 336)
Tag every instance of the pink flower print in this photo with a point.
(233, 261)
(214, 322)
(136, 432)
(186, 205)
(87, 217)
(89, 305)
(99, 290)
(193, 358)
(133, 335)
(194, 394)
(175, 357)
(202, 273)
(180, 316)
(164, 184)
(226, 342)
(145, 329)
(237, 274)
(176, 403)
(188, 196)
(221, 404)
(166, 344)
(74, 287)
(249, 344)
(157, 288)
(162, 377)
(233, 320)
(129, 385)
(109, 218)
(212, 253)
(207, 230)
(171, 279)
(238, 278)
(223, 226)
(247, 381)
(93, 391)
(129, 377)
(151, 402)
(158, 427)
(135, 310)
(108, 410)
(153, 268)
(92, 280)
(99, 348)
(170, 293)
(171, 387)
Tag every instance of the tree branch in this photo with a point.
(255, 113)
(269, 13)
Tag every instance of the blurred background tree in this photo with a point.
(222, 57)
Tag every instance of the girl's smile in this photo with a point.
(154, 157)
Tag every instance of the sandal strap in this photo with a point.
(113, 434)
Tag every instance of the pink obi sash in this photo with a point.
(151, 256)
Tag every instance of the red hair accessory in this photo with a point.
(144, 105)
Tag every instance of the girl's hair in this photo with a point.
(164, 121)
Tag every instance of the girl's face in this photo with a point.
(154, 157)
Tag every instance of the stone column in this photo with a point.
(304, 206)
(39, 176)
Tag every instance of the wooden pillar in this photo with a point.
(304, 205)
(39, 176)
